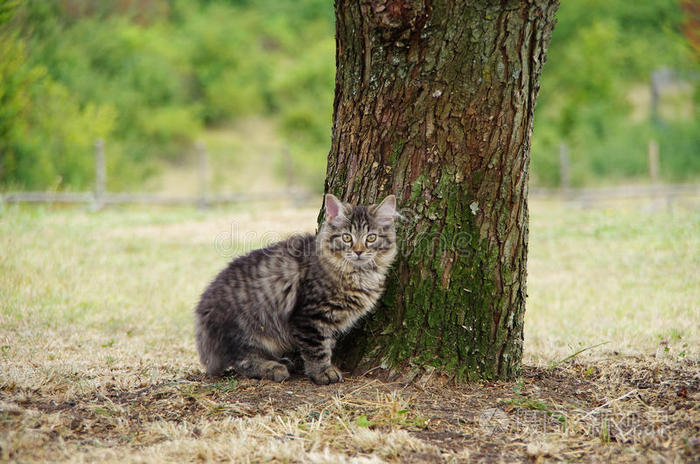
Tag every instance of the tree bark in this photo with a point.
(434, 102)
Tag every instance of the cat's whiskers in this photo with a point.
(343, 267)
(374, 263)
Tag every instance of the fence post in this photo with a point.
(201, 150)
(654, 161)
(100, 174)
(657, 194)
(564, 178)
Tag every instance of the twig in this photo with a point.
(629, 393)
(571, 356)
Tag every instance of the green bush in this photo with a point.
(600, 54)
(46, 134)
(149, 77)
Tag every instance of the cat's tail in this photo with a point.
(212, 354)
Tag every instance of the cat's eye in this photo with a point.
(347, 238)
(371, 238)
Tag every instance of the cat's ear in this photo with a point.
(334, 207)
(385, 212)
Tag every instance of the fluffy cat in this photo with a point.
(297, 295)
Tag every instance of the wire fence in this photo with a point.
(100, 197)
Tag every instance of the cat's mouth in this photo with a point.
(358, 260)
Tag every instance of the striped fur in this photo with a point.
(297, 296)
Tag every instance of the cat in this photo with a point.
(297, 295)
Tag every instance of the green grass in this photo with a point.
(620, 274)
(242, 157)
(96, 312)
(109, 281)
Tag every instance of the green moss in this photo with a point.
(399, 144)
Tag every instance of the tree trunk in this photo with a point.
(434, 102)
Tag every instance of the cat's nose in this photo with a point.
(358, 253)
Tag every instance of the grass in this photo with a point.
(619, 274)
(245, 157)
(97, 360)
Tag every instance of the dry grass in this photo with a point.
(97, 361)
(244, 157)
(627, 275)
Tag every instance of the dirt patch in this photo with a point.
(623, 409)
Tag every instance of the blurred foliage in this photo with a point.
(149, 76)
(595, 94)
(46, 133)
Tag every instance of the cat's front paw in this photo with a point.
(275, 371)
(327, 375)
(288, 363)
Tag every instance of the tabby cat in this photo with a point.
(298, 295)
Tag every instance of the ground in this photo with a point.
(97, 360)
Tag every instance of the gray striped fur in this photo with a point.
(297, 296)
